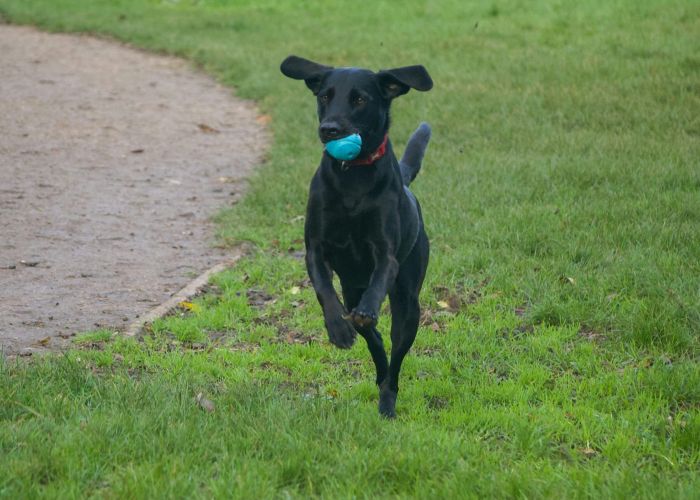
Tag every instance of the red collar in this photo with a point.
(381, 150)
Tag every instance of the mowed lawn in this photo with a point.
(558, 352)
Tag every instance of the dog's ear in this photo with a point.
(303, 69)
(398, 81)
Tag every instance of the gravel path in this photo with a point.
(112, 161)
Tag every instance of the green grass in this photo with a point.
(561, 193)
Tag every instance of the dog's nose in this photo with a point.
(329, 130)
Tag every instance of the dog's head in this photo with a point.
(354, 100)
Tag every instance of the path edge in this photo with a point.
(193, 288)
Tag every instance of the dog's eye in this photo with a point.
(359, 100)
(324, 98)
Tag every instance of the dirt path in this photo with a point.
(112, 160)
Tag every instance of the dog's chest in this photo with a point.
(348, 234)
(348, 250)
(351, 204)
(347, 231)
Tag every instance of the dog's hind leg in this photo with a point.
(369, 333)
(405, 316)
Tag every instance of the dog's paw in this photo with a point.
(387, 403)
(362, 318)
(340, 332)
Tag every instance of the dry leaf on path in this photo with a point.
(207, 129)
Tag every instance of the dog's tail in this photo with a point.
(413, 156)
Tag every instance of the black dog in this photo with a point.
(362, 222)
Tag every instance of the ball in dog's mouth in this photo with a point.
(345, 148)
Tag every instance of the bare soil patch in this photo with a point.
(112, 161)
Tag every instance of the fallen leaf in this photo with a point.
(259, 298)
(263, 119)
(227, 180)
(588, 452)
(204, 403)
(45, 341)
(443, 304)
(567, 280)
(207, 129)
(454, 299)
(294, 290)
(189, 306)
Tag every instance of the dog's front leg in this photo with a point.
(385, 270)
(340, 331)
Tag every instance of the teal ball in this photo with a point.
(345, 148)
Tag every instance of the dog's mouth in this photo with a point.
(333, 130)
(326, 138)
